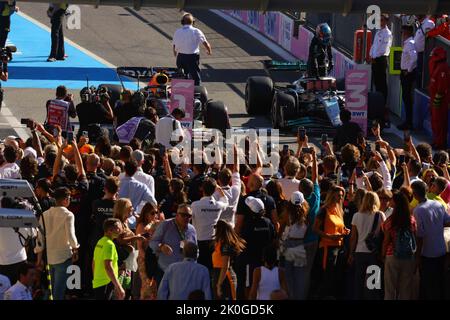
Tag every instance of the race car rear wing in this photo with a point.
(277, 65)
(146, 73)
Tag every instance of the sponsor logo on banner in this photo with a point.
(182, 97)
(356, 99)
(58, 114)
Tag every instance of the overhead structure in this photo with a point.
(313, 6)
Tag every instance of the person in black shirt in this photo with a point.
(96, 183)
(125, 109)
(194, 186)
(91, 112)
(42, 191)
(258, 232)
(243, 213)
(45, 170)
(348, 132)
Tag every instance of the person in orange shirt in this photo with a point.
(227, 246)
(330, 227)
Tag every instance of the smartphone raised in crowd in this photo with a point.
(301, 133)
(401, 159)
(162, 151)
(306, 150)
(69, 136)
(324, 138)
(285, 148)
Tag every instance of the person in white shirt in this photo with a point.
(408, 64)
(5, 284)
(205, 214)
(168, 130)
(60, 241)
(186, 42)
(289, 184)
(425, 24)
(10, 169)
(379, 53)
(22, 289)
(231, 192)
(140, 175)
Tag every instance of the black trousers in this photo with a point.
(104, 292)
(205, 251)
(407, 81)
(11, 271)
(5, 26)
(190, 63)
(419, 73)
(56, 21)
(379, 73)
(432, 278)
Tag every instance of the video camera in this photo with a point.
(6, 53)
(94, 95)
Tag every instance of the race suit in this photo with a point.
(320, 60)
(439, 89)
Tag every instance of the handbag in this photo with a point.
(374, 240)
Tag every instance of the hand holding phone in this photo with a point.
(301, 133)
(324, 138)
(359, 172)
(306, 150)
(401, 159)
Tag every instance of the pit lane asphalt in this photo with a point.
(125, 37)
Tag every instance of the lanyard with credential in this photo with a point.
(180, 233)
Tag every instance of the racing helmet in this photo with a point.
(323, 32)
(158, 79)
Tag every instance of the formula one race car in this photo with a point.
(313, 103)
(157, 93)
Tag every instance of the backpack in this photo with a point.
(374, 240)
(405, 245)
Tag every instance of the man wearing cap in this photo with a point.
(140, 175)
(259, 232)
(255, 184)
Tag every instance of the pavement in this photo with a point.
(117, 36)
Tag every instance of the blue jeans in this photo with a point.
(59, 275)
(296, 280)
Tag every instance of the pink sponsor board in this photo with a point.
(356, 99)
(182, 96)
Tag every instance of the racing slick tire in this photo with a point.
(282, 101)
(258, 95)
(286, 109)
(114, 91)
(203, 94)
(216, 116)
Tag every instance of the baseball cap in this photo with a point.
(297, 198)
(138, 155)
(255, 204)
(30, 151)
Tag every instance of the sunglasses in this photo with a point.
(185, 214)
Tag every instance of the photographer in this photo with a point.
(59, 110)
(125, 109)
(93, 109)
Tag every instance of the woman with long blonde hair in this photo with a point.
(368, 218)
(228, 245)
(330, 227)
(292, 249)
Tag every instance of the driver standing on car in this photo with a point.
(186, 41)
(320, 60)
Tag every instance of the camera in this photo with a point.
(307, 150)
(6, 53)
(28, 122)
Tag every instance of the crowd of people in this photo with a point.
(138, 226)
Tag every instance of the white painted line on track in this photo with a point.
(84, 50)
(14, 123)
(284, 54)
